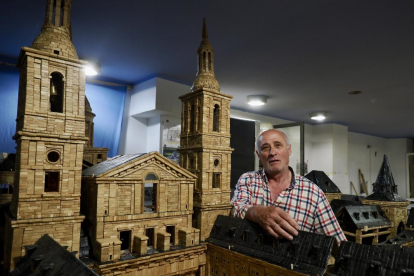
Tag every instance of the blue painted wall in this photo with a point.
(107, 103)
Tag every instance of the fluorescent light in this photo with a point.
(92, 69)
(256, 100)
(318, 115)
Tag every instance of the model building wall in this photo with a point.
(138, 195)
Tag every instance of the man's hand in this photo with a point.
(274, 220)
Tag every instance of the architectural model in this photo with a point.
(50, 137)
(385, 195)
(328, 187)
(241, 247)
(142, 214)
(205, 141)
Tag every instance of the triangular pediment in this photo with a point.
(127, 166)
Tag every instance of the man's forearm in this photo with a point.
(251, 213)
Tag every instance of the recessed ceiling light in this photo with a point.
(256, 100)
(357, 92)
(92, 68)
(317, 115)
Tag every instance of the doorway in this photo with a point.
(149, 232)
(171, 230)
(125, 237)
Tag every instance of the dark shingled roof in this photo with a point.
(403, 237)
(50, 258)
(352, 197)
(323, 181)
(410, 220)
(384, 189)
(110, 164)
(308, 252)
(360, 259)
(338, 204)
(356, 217)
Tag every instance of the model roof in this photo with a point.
(124, 165)
(403, 237)
(384, 188)
(410, 220)
(308, 252)
(359, 259)
(47, 257)
(110, 164)
(323, 181)
(351, 217)
(338, 204)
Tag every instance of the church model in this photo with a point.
(50, 137)
(205, 141)
(142, 214)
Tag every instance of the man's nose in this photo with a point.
(272, 151)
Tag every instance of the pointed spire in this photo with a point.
(385, 177)
(384, 189)
(205, 73)
(205, 34)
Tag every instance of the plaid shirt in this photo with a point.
(303, 200)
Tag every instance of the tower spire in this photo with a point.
(56, 37)
(205, 34)
(205, 73)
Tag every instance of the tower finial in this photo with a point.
(205, 73)
(205, 34)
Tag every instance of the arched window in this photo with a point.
(200, 119)
(151, 176)
(150, 193)
(62, 12)
(204, 61)
(56, 92)
(216, 118)
(192, 118)
(209, 61)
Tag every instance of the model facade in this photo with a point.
(205, 141)
(138, 211)
(50, 137)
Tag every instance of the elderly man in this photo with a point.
(277, 199)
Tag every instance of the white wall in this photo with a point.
(397, 150)
(168, 93)
(328, 147)
(134, 130)
(154, 134)
(142, 98)
(366, 153)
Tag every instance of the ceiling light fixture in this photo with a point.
(256, 100)
(317, 115)
(357, 92)
(92, 68)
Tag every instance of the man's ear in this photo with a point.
(290, 149)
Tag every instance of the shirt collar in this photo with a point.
(292, 181)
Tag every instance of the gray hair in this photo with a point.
(261, 134)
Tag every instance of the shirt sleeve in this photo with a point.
(242, 196)
(326, 221)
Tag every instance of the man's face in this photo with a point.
(273, 151)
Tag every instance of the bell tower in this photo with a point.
(205, 141)
(50, 137)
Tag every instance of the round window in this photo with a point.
(53, 156)
(216, 162)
